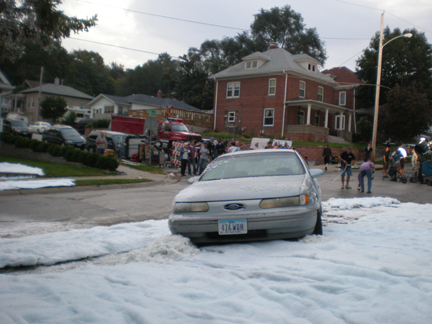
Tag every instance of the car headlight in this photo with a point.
(191, 207)
(285, 201)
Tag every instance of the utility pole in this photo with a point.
(39, 96)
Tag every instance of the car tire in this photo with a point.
(318, 226)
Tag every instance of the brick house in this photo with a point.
(277, 93)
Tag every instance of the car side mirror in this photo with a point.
(193, 180)
(316, 173)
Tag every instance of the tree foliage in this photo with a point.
(53, 108)
(38, 20)
(405, 61)
(285, 27)
(406, 114)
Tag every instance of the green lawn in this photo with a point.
(58, 170)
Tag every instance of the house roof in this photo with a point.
(145, 99)
(343, 75)
(279, 60)
(4, 82)
(31, 83)
(59, 90)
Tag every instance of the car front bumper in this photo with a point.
(277, 223)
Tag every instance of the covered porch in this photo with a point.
(312, 128)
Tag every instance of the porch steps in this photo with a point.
(335, 139)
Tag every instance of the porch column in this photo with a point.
(308, 114)
(326, 119)
(349, 122)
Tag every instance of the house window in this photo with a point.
(317, 119)
(109, 109)
(300, 117)
(302, 89)
(231, 116)
(320, 93)
(272, 87)
(251, 64)
(233, 90)
(340, 122)
(268, 117)
(342, 98)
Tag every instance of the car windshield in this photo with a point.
(179, 128)
(18, 123)
(119, 139)
(254, 165)
(69, 132)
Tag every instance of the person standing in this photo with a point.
(327, 155)
(220, 147)
(101, 143)
(365, 170)
(191, 159)
(184, 156)
(204, 155)
(368, 151)
(386, 159)
(347, 160)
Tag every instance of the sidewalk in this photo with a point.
(169, 177)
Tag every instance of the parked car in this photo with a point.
(250, 195)
(80, 125)
(39, 126)
(115, 140)
(16, 127)
(64, 135)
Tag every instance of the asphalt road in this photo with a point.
(61, 209)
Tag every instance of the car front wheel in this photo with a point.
(318, 226)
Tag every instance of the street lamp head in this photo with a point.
(407, 35)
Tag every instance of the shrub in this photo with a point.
(23, 142)
(82, 156)
(51, 148)
(91, 159)
(107, 163)
(72, 155)
(9, 138)
(246, 135)
(57, 151)
(42, 147)
(34, 145)
(100, 123)
(65, 148)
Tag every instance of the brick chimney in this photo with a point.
(159, 94)
(273, 46)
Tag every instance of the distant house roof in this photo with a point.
(145, 99)
(278, 60)
(31, 84)
(59, 90)
(4, 82)
(343, 75)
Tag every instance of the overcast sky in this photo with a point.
(345, 26)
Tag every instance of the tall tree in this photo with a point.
(35, 19)
(406, 114)
(285, 27)
(53, 108)
(192, 84)
(405, 61)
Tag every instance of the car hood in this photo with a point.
(74, 138)
(22, 129)
(245, 188)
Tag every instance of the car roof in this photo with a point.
(61, 126)
(108, 132)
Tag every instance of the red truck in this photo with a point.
(169, 130)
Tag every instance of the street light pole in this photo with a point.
(378, 84)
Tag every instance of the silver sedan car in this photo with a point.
(249, 196)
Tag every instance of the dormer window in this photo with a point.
(251, 64)
(311, 67)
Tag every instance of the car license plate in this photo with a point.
(229, 227)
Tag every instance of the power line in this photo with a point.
(166, 17)
(105, 44)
